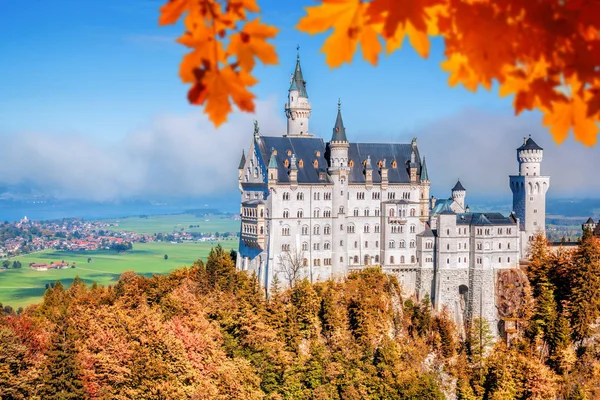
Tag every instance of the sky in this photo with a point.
(91, 107)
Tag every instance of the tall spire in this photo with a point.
(298, 83)
(339, 132)
(424, 174)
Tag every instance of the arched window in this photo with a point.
(412, 259)
(327, 230)
(377, 259)
(366, 212)
(300, 196)
(412, 212)
(355, 259)
(261, 230)
(304, 246)
(391, 259)
(304, 230)
(402, 260)
(327, 246)
(412, 229)
(391, 244)
(286, 214)
(285, 231)
(402, 244)
(300, 213)
(316, 213)
(392, 212)
(316, 230)
(286, 195)
(412, 244)
(327, 213)
(356, 212)
(341, 210)
(305, 262)
(367, 259)
(366, 229)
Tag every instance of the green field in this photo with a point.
(177, 222)
(21, 287)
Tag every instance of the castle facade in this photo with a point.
(320, 210)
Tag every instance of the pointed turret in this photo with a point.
(273, 160)
(273, 169)
(339, 132)
(298, 83)
(424, 174)
(242, 161)
(297, 108)
(458, 194)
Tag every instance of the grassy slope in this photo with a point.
(170, 223)
(25, 286)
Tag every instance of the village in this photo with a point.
(27, 236)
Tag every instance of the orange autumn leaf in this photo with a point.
(215, 90)
(251, 42)
(525, 47)
(350, 26)
(572, 114)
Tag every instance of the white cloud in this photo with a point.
(184, 155)
(176, 155)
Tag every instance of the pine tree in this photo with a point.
(585, 288)
(60, 379)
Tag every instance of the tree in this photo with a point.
(291, 263)
(511, 42)
(166, 256)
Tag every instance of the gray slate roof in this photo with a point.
(306, 149)
(298, 82)
(242, 161)
(589, 221)
(530, 145)
(458, 186)
(479, 219)
(339, 132)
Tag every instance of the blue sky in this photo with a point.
(103, 73)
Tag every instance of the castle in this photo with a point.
(319, 210)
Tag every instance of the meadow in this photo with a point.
(175, 223)
(21, 287)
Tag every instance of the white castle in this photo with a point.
(319, 210)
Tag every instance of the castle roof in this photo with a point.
(273, 160)
(479, 219)
(427, 232)
(339, 132)
(440, 204)
(458, 186)
(298, 83)
(424, 175)
(315, 149)
(446, 210)
(242, 161)
(529, 144)
(589, 221)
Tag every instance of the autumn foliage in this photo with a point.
(544, 52)
(209, 332)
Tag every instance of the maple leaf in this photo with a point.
(461, 72)
(572, 113)
(214, 87)
(172, 11)
(348, 18)
(251, 42)
(398, 14)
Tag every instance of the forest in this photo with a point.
(210, 332)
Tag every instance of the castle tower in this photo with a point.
(529, 193)
(339, 171)
(297, 109)
(458, 194)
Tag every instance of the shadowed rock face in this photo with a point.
(512, 286)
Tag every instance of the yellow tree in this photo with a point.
(544, 52)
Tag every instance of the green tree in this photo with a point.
(585, 298)
(166, 257)
(61, 374)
